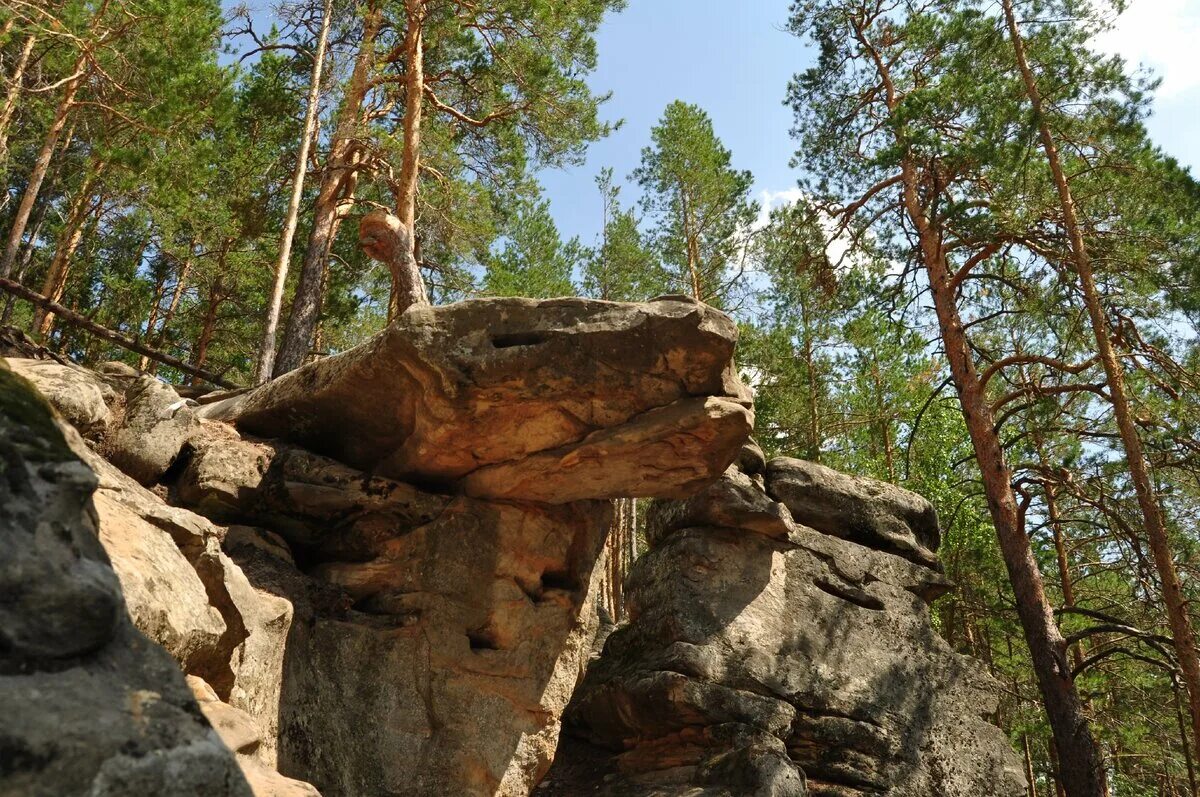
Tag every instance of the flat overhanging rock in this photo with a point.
(549, 400)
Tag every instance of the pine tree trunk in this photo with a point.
(1139, 471)
(266, 360)
(60, 265)
(180, 286)
(40, 167)
(338, 183)
(15, 82)
(1083, 772)
(1184, 743)
(208, 326)
(408, 288)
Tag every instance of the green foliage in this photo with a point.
(533, 260)
(699, 203)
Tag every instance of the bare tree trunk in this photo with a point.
(811, 399)
(1139, 470)
(15, 81)
(75, 319)
(1029, 774)
(180, 286)
(266, 360)
(1184, 743)
(40, 166)
(693, 251)
(1083, 771)
(208, 327)
(338, 183)
(408, 288)
(60, 265)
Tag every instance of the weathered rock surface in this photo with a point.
(872, 513)
(82, 396)
(370, 635)
(155, 424)
(90, 706)
(553, 400)
(765, 657)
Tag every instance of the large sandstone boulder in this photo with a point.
(374, 635)
(154, 427)
(766, 657)
(82, 396)
(553, 400)
(90, 706)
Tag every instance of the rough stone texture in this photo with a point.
(90, 706)
(376, 636)
(164, 595)
(757, 660)
(81, 396)
(436, 659)
(872, 513)
(552, 394)
(240, 733)
(154, 427)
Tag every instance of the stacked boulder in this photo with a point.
(377, 572)
(780, 645)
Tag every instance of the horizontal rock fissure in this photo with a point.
(852, 595)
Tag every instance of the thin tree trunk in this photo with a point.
(1177, 610)
(266, 360)
(693, 251)
(180, 286)
(60, 265)
(885, 425)
(40, 166)
(814, 415)
(1183, 738)
(1029, 774)
(208, 327)
(338, 183)
(15, 82)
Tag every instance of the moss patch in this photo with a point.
(28, 421)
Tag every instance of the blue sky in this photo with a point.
(732, 58)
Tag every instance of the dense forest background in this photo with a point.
(987, 292)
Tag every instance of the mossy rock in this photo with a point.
(27, 421)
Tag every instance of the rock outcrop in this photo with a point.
(90, 706)
(553, 401)
(379, 575)
(387, 589)
(768, 657)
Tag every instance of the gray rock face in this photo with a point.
(554, 400)
(90, 706)
(155, 424)
(763, 655)
(81, 396)
(872, 513)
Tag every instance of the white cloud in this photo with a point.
(1160, 35)
(769, 200)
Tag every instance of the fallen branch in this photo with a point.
(75, 319)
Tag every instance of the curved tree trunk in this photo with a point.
(338, 183)
(407, 286)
